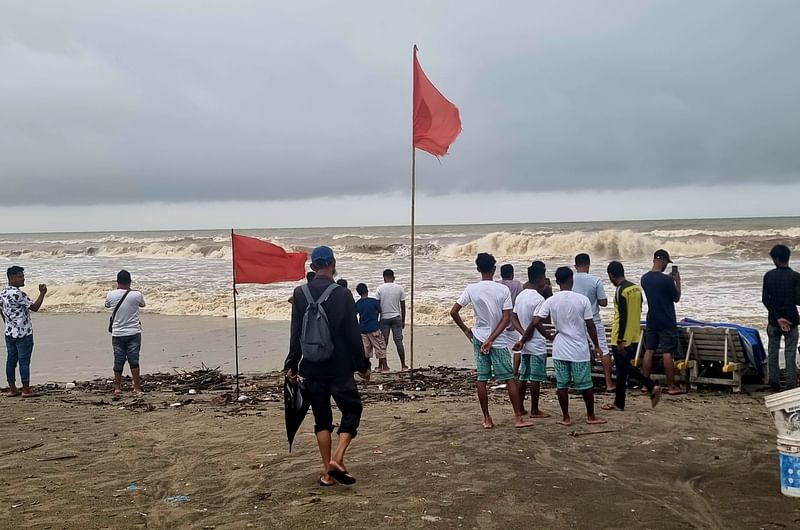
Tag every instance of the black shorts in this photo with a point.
(663, 340)
(345, 394)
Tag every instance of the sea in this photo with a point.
(722, 262)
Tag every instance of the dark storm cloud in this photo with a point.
(104, 102)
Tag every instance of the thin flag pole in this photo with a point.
(235, 314)
(413, 245)
(413, 213)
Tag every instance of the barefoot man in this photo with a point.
(126, 331)
(369, 312)
(530, 365)
(333, 376)
(572, 317)
(663, 292)
(492, 305)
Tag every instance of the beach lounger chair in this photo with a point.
(713, 353)
(681, 367)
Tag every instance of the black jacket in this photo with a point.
(781, 294)
(348, 350)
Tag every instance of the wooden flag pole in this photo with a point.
(235, 315)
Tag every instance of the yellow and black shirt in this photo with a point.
(627, 314)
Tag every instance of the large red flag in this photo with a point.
(257, 261)
(436, 120)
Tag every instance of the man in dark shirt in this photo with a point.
(333, 377)
(369, 309)
(781, 295)
(662, 292)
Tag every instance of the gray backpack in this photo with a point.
(315, 337)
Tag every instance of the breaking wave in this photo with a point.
(544, 243)
(83, 297)
(625, 244)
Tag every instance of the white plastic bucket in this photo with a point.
(790, 471)
(785, 409)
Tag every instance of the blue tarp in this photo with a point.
(750, 338)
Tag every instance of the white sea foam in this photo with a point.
(624, 244)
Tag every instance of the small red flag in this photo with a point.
(257, 261)
(436, 120)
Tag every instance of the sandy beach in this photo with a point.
(75, 459)
(78, 347)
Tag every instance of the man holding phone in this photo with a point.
(662, 292)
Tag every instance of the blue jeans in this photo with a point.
(19, 351)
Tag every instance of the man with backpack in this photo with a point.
(325, 349)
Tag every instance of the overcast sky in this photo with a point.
(247, 109)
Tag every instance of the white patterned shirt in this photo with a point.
(16, 307)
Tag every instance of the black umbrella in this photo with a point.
(295, 406)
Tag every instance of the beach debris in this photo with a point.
(242, 398)
(178, 499)
(65, 456)
(29, 419)
(577, 434)
(603, 476)
(21, 449)
(70, 386)
(380, 387)
(176, 404)
(431, 518)
(498, 387)
(439, 475)
(377, 452)
(714, 439)
(192, 391)
(222, 399)
(689, 438)
(422, 411)
(18, 505)
(133, 486)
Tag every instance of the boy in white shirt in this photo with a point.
(492, 305)
(530, 365)
(572, 317)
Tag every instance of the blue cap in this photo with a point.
(322, 256)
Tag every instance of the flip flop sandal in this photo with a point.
(325, 484)
(342, 476)
(655, 397)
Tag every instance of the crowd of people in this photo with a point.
(513, 322)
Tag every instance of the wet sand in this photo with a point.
(78, 346)
(704, 460)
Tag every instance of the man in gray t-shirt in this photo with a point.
(591, 287)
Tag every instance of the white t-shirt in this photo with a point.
(489, 299)
(126, 321)
(569, 311)
(592, 288)
(528, 301)
(390, 296)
